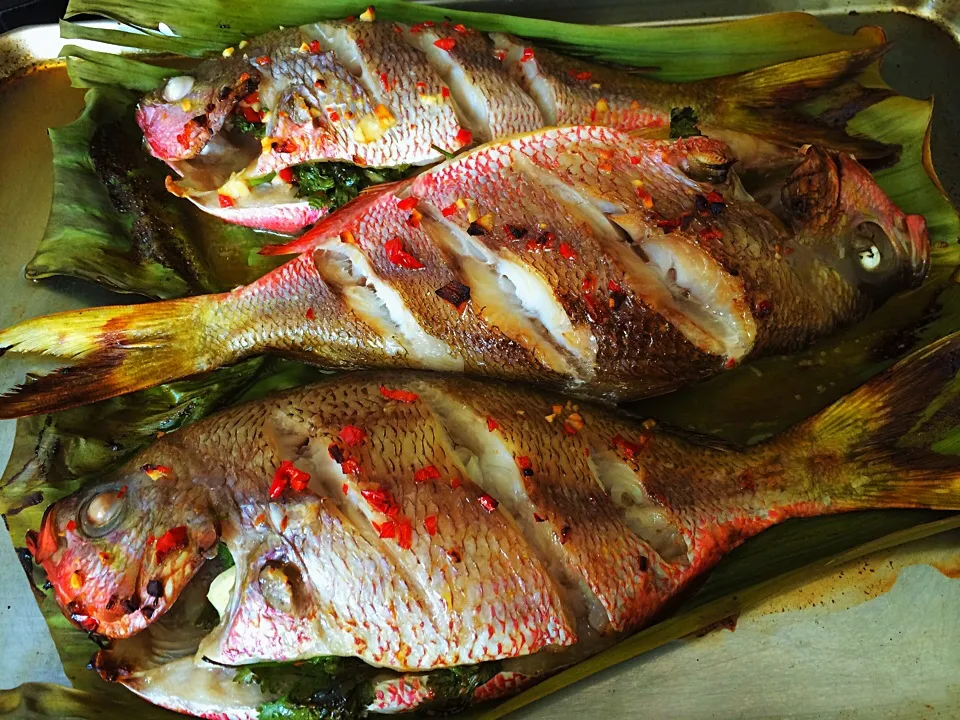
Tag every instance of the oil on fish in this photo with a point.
(581, 258)
(246, 131)
(387, 527)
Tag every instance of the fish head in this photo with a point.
(864, 245)
(118, 553)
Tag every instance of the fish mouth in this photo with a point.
(43, 543)
(917, 247)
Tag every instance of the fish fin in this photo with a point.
(895, 441)
(104, 352)
(336, 222)
(764, 102)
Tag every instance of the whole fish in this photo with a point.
(363, 95)
(582, 258)
(418, 522)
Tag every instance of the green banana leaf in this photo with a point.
(112, 221)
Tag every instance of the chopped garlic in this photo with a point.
(220, 589)
(243, 44)
(227, 52)
(384, 117)
(368, 129)
(368, 15)
(177, 88)
(235, 187)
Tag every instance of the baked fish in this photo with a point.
(581, 258)
(246, 132)
(388, 527)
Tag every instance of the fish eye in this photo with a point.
(872, 248)
(101, 513)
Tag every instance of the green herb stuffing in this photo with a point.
(224, 556)
(324, 688)
(330, 185)
(683, 123)
(256, 129)
(454, 688)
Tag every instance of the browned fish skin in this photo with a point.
(590, 260)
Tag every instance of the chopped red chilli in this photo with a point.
(352, 435)
(286, 175)
(447, 43)
(263, 60)
(430, 524)
(455, 293)
(71, 525)
(445, 91)
(401, 395)
(408, 203)
(314, 46)
(629, 449)
(527, 54)
(492, 424)
(225, 200)
(710, 234)
(426, 474)
(567, 251)
(455, 482)
(310, 315)
(155, 472)
(121, 492)
(398, 256)
(488, 503)
(350, 466)
(172, 540)
(345, 488)
(385, 81)
(404, 533)
(381, 501)
(386, 530)
(464, 136)
(525, 466)
(449, 210)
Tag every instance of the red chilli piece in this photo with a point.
(455, 482)
(386, 530)
(225, 201)
(398, 256)
(172, 540)
(381, 501)
(464, 136)
(635, 159)
(314, 46)
(350, 466)
(447, 43)
(334, 116)
(352, 435)
(263, 60)
(710, 234)
(71, 525)
(445, 91)
(426, 474)
(488, 503)
(408, 203)
(730, 364)
(345, 488)
(121, 492)
(251, 115)
(567, 252)
(629, 449)
(449, 210)
(286, 175)
(645, 198)
(401, 395)
(492, 424)
(310, 314)
(385, 81)
(526, 467)
(404, 533)
(150, 539)
(430, 525)
(527, 54)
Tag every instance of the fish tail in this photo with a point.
(99, 353)
(892, 443)
(768, 102)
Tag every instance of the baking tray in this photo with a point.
(877, 638)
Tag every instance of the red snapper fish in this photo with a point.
(581, 258)
(277, 132)
(406, 540)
